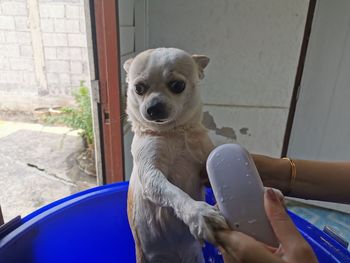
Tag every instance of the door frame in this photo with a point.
(298, 76)
(106, 53)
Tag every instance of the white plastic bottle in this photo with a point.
(239, 192)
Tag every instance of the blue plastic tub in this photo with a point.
(92, 226)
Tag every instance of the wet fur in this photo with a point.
(166, 207)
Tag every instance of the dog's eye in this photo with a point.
(140, 89)
(177, 86)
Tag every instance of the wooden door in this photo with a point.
(107, 55)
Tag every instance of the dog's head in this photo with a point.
(163, 88)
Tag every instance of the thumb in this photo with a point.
(282, 225)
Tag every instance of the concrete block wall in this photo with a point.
(43, 52)
(16, 55)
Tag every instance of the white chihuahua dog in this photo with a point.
(166, 207)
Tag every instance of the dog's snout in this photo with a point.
(157, 111)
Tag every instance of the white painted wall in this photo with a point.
(254, 48)
(132, 24)
(321, 129)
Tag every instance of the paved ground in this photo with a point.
(38, 166)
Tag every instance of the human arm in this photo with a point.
(318, 180)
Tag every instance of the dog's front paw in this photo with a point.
(203, 220)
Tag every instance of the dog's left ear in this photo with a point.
(202, 62)
(126, 67)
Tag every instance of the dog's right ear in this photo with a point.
(127, 64)
(126, 67)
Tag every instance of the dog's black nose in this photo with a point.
(157, 111)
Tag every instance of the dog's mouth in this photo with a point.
(160, 121)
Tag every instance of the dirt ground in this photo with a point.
(38, 164)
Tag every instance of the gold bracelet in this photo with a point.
(293, 174)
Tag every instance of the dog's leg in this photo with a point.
(200, 146)
(139, 254)
(201, 218)
(140, 258)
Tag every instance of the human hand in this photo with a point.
(237, 247)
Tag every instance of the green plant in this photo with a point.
(80, 116)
